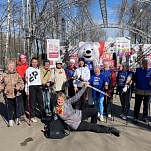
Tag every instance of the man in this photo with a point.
(45, 79)
(143, 87)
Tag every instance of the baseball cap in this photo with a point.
(22, 56)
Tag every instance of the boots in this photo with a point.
(114, 131)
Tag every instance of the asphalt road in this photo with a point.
(30, 138)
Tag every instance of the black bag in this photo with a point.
(56, 130)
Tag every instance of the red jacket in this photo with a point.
(21, 68)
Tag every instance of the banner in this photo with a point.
(122, 45)
(53, 51)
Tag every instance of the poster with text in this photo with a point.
(53, 51)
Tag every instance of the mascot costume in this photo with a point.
(91, 53)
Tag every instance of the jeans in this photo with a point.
(46, 99)
(98, 103)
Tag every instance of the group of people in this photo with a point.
(34, 90)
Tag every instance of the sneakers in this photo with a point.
(114, 131)
(123, 116)
(109, 116)
(11, 123)
(135, 121)
(145, 120)
(17, 121)
(101, 118)
(34, 120)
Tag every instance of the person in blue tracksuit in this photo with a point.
(124, 82)
(69, 70)
(143, 86)
(98, 81)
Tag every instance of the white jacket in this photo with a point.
(33, 77)
(84, 72)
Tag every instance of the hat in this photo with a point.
(81, 59)
(72, 60)
(59, 62)
(46, 60)
(22, 56)
(125, 64)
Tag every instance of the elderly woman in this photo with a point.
(142, 93)
(75, 118)
(124, 81)
(12, 84)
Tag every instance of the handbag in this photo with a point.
(56, 130)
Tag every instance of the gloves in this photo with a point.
(125, 89)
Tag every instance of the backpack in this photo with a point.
(56, 130)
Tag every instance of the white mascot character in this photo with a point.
(90, 52)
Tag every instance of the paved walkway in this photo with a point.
(30, 138)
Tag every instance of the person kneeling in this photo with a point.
(75, 118)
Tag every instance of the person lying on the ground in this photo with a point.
(75, 118)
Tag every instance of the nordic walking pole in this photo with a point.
(148, 112)
(8, 118)
(106, 99)
(113, 111)
(128, 111)
(28, 102)
(93, 87)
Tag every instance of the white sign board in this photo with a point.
(123, 44)
(53, 51)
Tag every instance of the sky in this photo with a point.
(111, 14)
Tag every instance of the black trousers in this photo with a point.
(14, 107)
(86, 126)
(138, 101)
(125, 102)
(35, 94)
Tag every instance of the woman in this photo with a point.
(21, 69)
(124, 82)
(12, 85)
(98, 81)
(75, 118)
(33, 89)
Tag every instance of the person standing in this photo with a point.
(45, 79)
(12, 85)
(33, 89)
(82, 73)
(58, 79)
(69, 70)
(99, 81)
(143, 86)
(21, 69)
(124, 82)
(111, 79)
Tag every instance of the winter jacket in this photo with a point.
(9, 82)
(69, 73)
(59, 77)
(83, 72)
(142, 79)
(33, 77)
(97, 82)
(123, 78)
(21, 68)
(45, 75)
(69, 115)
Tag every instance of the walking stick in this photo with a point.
(106, 99)
(128, 111)
(17, 112)
(114, 102)
(149, 112)
(8, 118)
